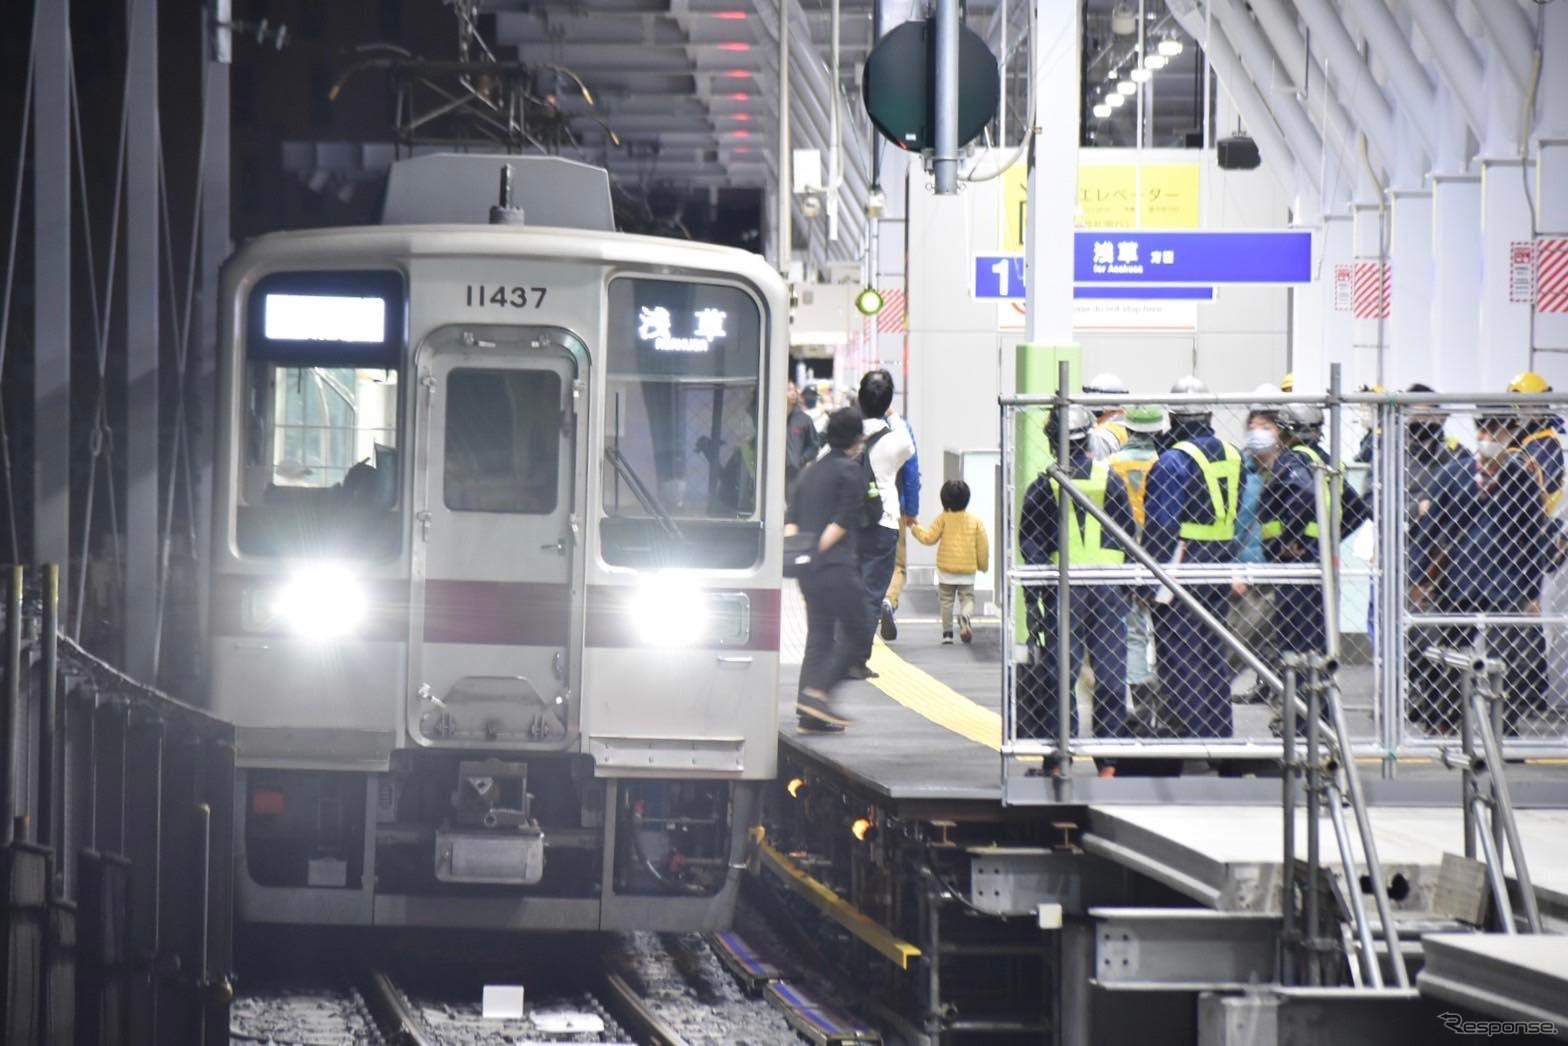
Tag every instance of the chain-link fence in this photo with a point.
(1366, 527)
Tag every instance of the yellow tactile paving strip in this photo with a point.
(927, 696)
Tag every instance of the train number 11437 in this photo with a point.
(513, 297)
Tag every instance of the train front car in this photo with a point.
(495, 600)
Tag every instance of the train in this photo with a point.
(494, 603)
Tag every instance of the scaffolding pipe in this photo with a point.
(1503, 810)
(945, 160)
(1494, 870)
(1358, 907)
(1287, 886)
(1457, 61)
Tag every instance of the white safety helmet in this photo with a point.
(1186, 387)
(1106, 383)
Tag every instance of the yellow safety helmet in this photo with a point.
(1529, 382)
(1288, 382)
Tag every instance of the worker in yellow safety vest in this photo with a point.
(1190, 517)
(1097, 616)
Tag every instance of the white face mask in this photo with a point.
(1261, 441)
(1490, 449)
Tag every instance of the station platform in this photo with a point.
(926, 741)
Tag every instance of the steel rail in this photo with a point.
(392, 1011)
(638, 1017)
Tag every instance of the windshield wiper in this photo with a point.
(645, 498)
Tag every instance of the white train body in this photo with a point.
(495, 598)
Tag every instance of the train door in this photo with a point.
(497, 563)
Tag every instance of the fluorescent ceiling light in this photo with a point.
(1115, 101)
(1127, 87)
(1156, 62)
(1170, 47)
(1141, 76)
(1102, 111)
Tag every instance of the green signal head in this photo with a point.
(868, 301)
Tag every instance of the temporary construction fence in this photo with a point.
(118, 811)
(1371, 528)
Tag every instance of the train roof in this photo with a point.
(350, 245)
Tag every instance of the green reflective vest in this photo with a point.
(1084, 544)
(1223, 480)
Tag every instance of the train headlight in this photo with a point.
(320, 601)
(669, 611)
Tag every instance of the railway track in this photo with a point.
(644, 988)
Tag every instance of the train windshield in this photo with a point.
(681, 478)
(320, 461)
(319, 447)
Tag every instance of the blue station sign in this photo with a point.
(1109, 256)
(1000, 277)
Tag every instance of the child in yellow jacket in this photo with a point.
(962, 553)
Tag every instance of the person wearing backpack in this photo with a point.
(828, 503)
(888, 446)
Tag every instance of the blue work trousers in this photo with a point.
(1194, 670)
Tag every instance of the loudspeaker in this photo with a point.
(1238, 153)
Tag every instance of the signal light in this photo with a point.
(796, 786)
(868, 302)
(863, 829)
(735, 45)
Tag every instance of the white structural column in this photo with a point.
(1369, 328)
(1505, 224)
(1454, 360)
(1053, 182)
(1320, 332)
(1551, 184)
(1410, 325)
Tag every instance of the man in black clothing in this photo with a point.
(828, 502)
(800, 449)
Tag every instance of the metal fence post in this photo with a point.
(1314, 844)
(1389, 613)
(1287, 898)
(1064, 674)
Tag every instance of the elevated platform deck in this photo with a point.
(926, 741)
(1506, 976)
